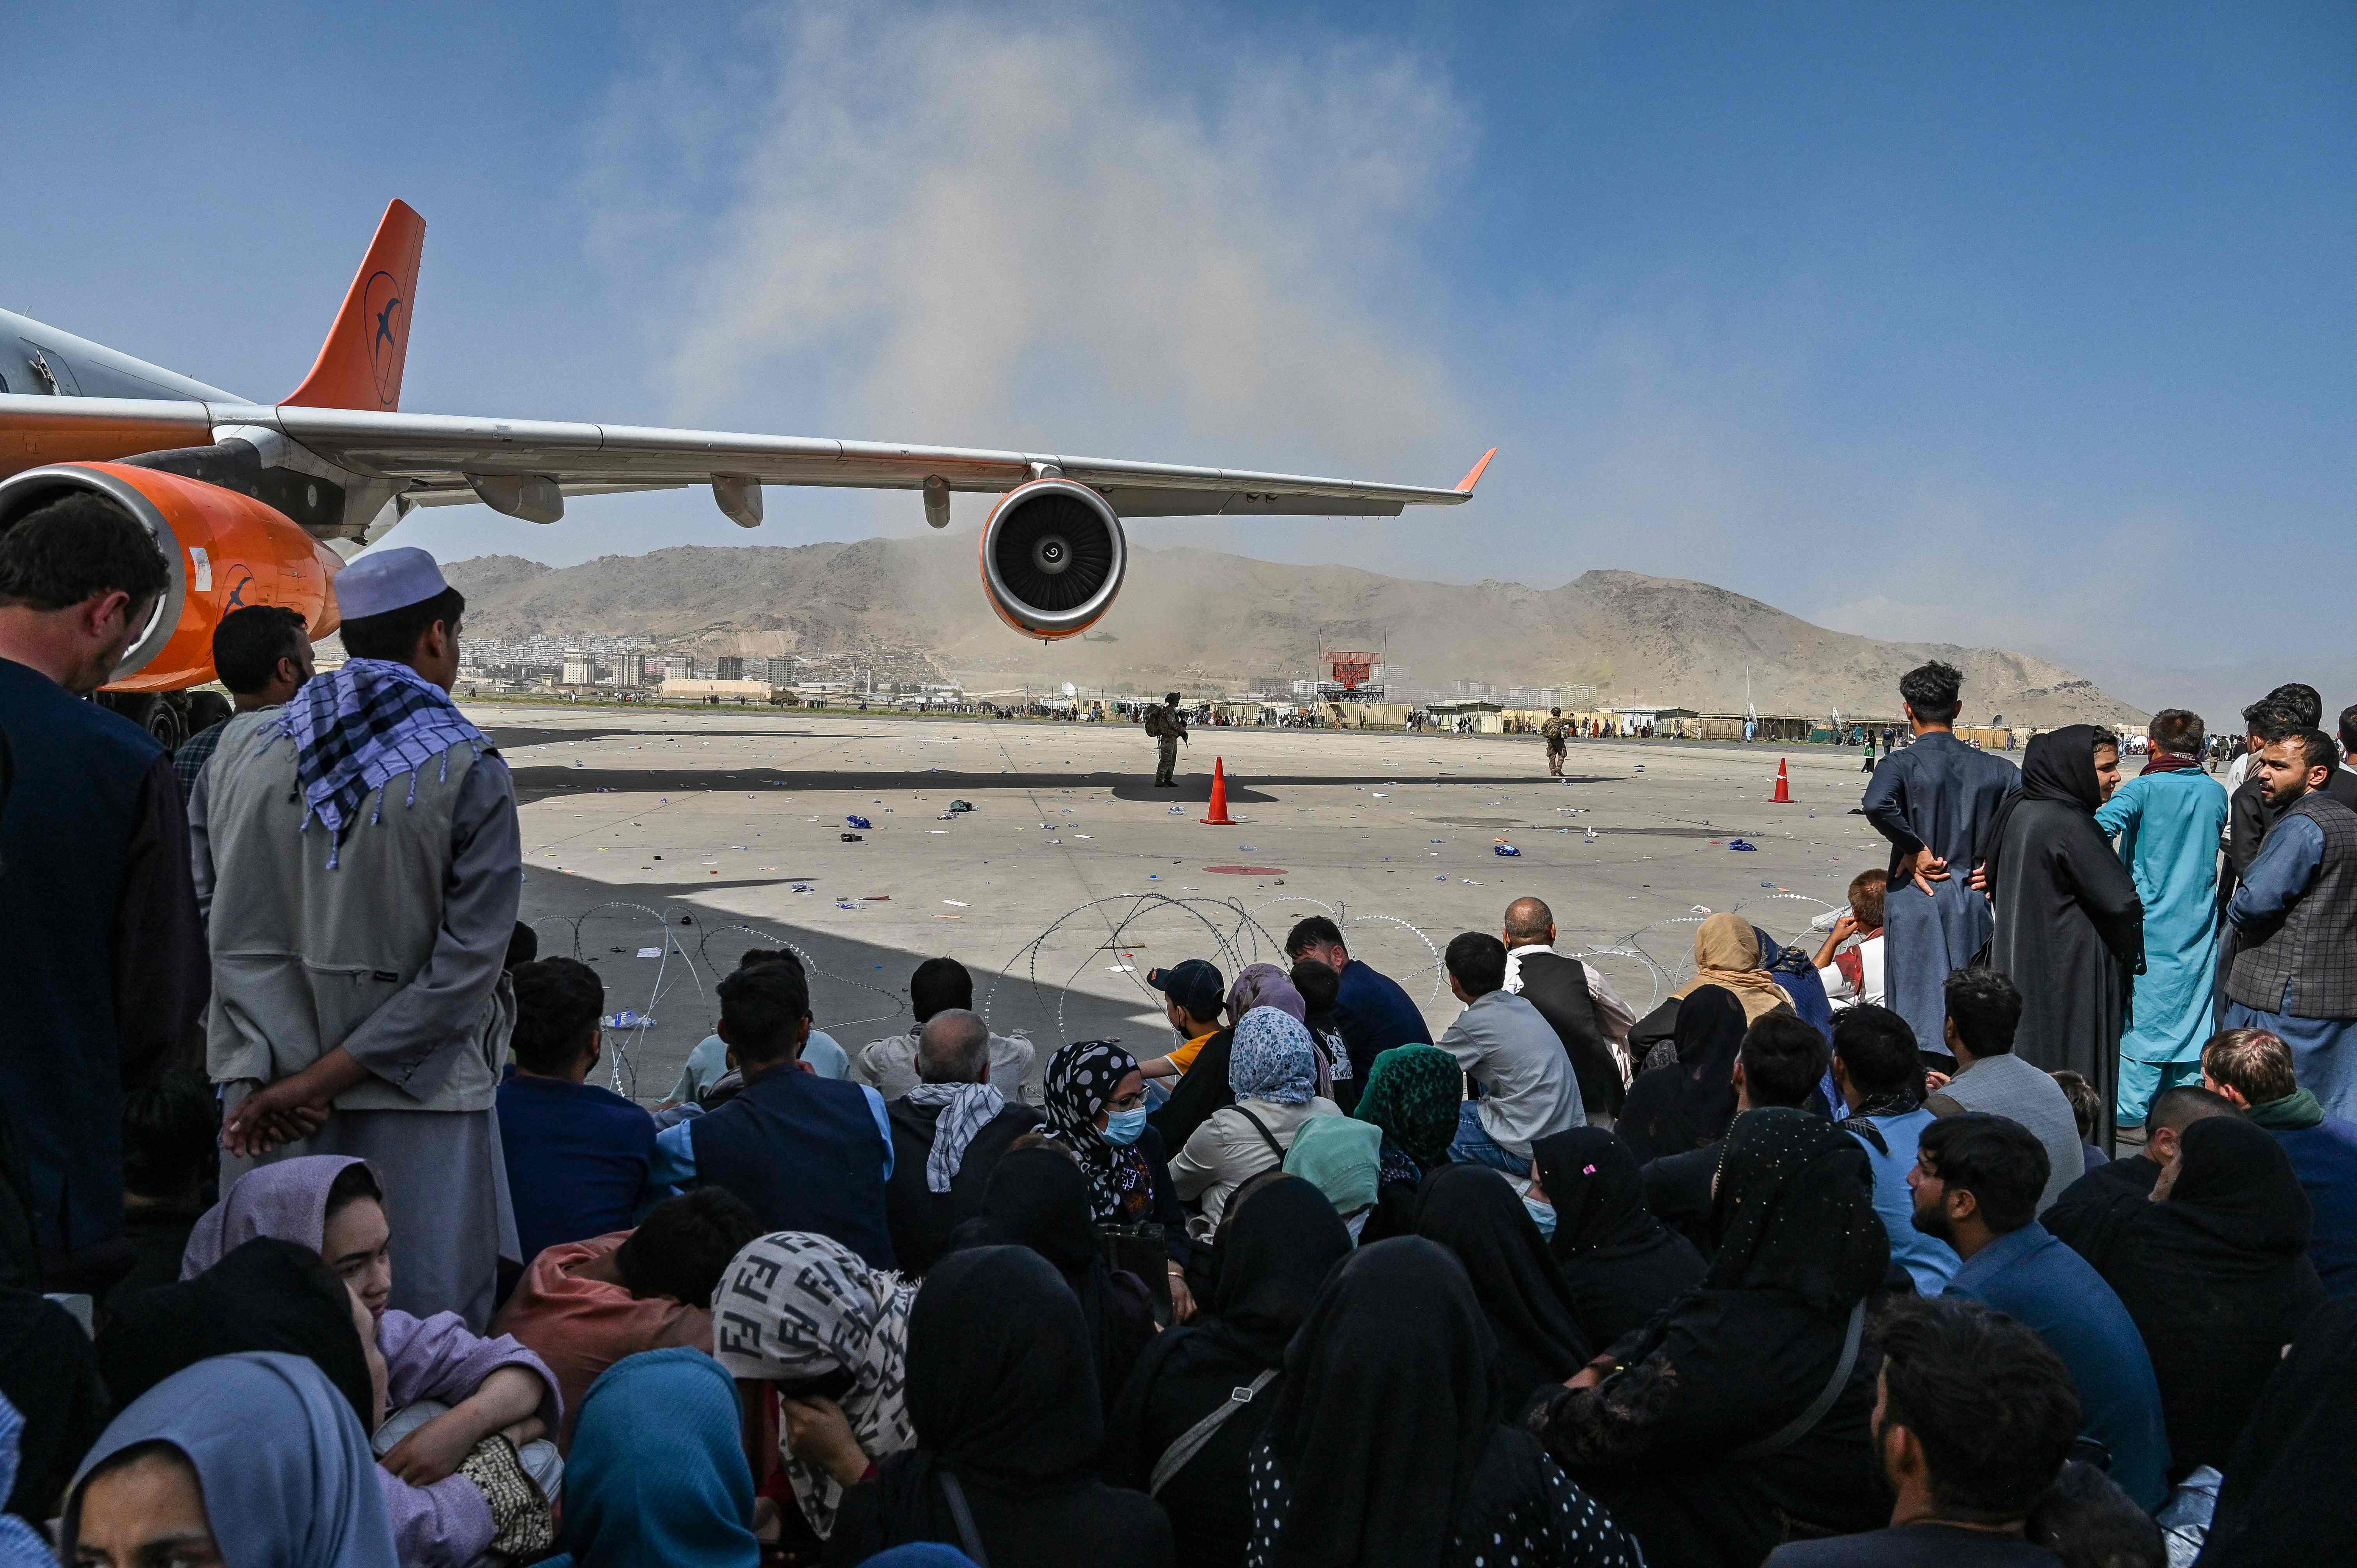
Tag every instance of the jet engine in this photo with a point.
(223, 551)
(1052, 558)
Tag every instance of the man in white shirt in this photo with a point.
(1856, 975)
(888, 1066)
(1525, 1082)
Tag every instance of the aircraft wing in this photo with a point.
(444, 459)
(441, 456)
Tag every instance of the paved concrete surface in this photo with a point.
(660, 844)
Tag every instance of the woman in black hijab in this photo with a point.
(1745, 1408)
(1620, 1263)
(2070, 927)
(47, 1373)
(1385, 1449)
(2287, 1497)
(1468, 1211)
(1279, 1241)
(265, 1295)
(1688, 1102)
(1003, 1394)
(1038, 1199)
(2214, 1269)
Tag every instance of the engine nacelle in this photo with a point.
(1052, 558)
(224, 550)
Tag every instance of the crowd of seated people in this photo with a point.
(801, 1323)
(1763, 1274)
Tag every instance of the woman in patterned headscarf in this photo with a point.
(1272, 1068)
(1412, 1093)
(803, 1313)
(1096, 1108)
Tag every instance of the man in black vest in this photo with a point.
(947, 1135)
(805, 1153)
(1557, 987)
(2295, 971)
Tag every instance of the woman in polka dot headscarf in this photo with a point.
(1095, 1092)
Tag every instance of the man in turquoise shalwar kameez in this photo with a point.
(2166, 820)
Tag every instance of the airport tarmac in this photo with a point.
(660, 843)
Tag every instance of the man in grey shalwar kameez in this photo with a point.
(1933, 800)
(359, 857)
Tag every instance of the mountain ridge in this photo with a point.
(1205, 620)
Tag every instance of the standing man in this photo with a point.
(1557, 731)
(2167, 820)
(263, 656)
(1935, 802)
(361, 860)
(2295, 971)
(1869, 736)
(1167, 729)
(1566, 991)
(105, 952)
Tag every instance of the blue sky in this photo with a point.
(2013, 324)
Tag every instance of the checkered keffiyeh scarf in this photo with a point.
(356, 728)
(965, 1109)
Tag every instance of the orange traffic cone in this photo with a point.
(1783, 785)
(1219, 817)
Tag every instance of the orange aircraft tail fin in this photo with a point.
(1473, 476)
(360, 364)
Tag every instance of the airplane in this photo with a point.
(257, 503)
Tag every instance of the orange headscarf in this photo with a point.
(1727, 953)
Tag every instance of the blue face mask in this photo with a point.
(1542, 1214)
(1123, 1127)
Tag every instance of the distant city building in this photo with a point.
(732, 668)
(629, 670)
(1271, 685)
(781, 672)
(676, 687)
(579, 670)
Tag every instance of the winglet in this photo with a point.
(1473, 476)
(360, 364)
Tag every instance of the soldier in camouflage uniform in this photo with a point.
(1557, 731)
(1167, 729)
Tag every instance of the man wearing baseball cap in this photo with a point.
(359, 858)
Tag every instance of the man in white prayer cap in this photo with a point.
(358, 856)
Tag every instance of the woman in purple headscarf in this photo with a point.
(493, 1387)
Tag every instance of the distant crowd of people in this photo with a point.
(2015, 1223)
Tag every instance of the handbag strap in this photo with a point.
(969, 1538)
(1265, 1135)
(1801, 1425)
(1190, 1442)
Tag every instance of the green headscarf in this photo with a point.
(1413, 1093)
(1339, 1155)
